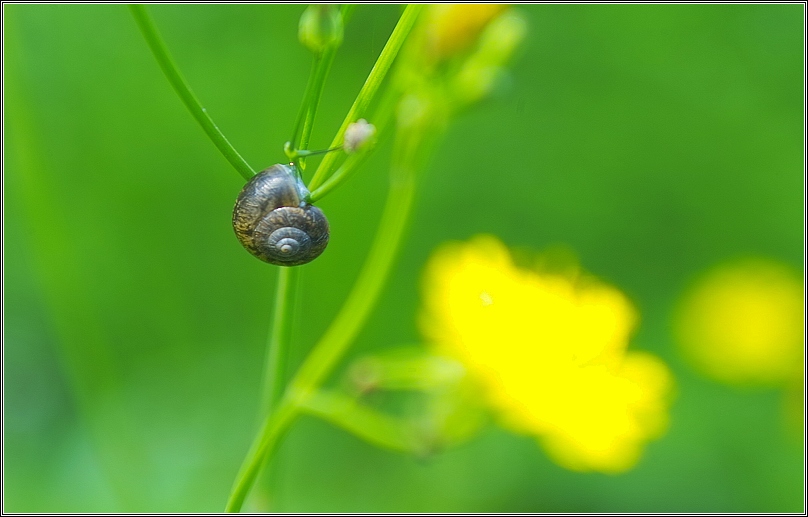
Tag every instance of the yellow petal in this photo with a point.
(550, 352)
(743, 323)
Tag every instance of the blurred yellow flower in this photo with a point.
(453, 28)
(549, 351)
(743, 323)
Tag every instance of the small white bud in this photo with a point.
(357, 135)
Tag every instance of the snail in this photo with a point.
(273, 221)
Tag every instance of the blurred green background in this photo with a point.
(654, 140)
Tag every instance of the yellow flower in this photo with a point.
(453, 28)
(743, 323)
(549, 352)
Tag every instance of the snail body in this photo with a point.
(273, 221)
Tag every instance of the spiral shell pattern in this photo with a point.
(272, 221)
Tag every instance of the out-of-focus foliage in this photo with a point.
(655, 141)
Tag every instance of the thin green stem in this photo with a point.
(278, 342)
(262, 448)
(304, 106)
(350, 165)
(313, 102)
(369, 89)
(367, 288)
(382, 116)
(380, 429)
(346, 10)
(160, 51)
(345, 326)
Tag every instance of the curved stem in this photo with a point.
(304, 106)
(347, 11)
(380, 429)
(367, 288)
(345, 326)
(265, 443)
(369, 89)
(278, 342)
(160, 51)
(344, 172)
(382, 116)
(319, 363)
(313, 102)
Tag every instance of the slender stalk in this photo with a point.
(345, 170)
(263, 446)
(345, 326)
(304, 106)
(347, 11)
(314, 90)
(380, 429)
(313, 102)
(278, 342)
(367, 288)
(381, 118)
(160, 51)
(369, 89)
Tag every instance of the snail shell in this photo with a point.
(274, 223)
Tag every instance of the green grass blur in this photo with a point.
(653, 140)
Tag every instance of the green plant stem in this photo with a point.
(380, 429)
(304, 106)
(345, 326)
(278, 341)
(264, 444)
(344, 172)
(347, 11)
(314, 90)
(382, 117)
(313, 102)
(367, 288)
(160, 51)
(369, 89)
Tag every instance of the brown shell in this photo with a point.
(273, 223)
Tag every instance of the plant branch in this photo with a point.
(304, 107)
(324, 66)
(160, 51)
(264, 444)
(381, 116)
(380, 429)
(278, 342)
(369, 89)
(345, 326)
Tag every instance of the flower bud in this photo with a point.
(501, 37)
(357, 135)
(484, 69)
(320, 27)
(452, 29)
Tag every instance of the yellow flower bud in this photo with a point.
(453, 28)
(485, 68)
